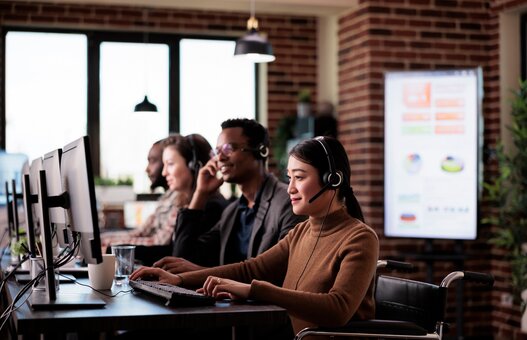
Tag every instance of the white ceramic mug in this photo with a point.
(101, 275)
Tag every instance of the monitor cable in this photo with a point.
(13, 307)
(12, 271)
(96, 290)
(2, 241)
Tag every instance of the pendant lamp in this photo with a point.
(253, 46)
(145, 105)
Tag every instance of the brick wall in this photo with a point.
(293, 38)
(411, 35)
(374, 37)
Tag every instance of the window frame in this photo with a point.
(95, 38)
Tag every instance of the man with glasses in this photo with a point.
(249, 225)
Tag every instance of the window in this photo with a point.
(46, 84)
(53, 78)
(128, 72)
(214, 87)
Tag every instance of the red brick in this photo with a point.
(42, 18)
(25, 8)
(52, 10)
(374, 37)
(5, 8)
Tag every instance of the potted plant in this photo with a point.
(114, 191)
(19, 248)
(508, 193)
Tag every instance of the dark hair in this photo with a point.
(256, 134)
(312, 152)
(160, 180)
(185, 146)
(159, 142)
(201, 146)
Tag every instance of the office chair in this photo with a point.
(405, 309)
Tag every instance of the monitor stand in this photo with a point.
(39, 300)
(50, 299)
(26, 278)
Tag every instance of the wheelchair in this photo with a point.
(404, 309)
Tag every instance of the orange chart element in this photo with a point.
(450, 116)
(450, 102)
(449, 129)
(416, 117)
(417, 94)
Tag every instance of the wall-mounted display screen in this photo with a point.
(432, 146)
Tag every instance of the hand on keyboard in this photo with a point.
(174, 295)
(157, 274)
(221, 288)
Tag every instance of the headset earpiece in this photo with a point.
(331, 179)
(263, 151)
(194, 165)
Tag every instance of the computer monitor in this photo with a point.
(433, 153)
(57, 214)
(32, 213)
(79, 201)
(34, 173)
(11, 203)
(10, 168)
(16, 196)
(77, 181)
(29, 210)
(12, 198)
(10, 222)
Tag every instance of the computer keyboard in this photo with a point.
(174, 295)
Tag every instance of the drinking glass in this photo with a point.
(124, 262)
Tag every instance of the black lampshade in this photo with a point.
(253, 46)
(145, 106)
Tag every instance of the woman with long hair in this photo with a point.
(182, 158)
(323, 271)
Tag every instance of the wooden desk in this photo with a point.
(137, 311)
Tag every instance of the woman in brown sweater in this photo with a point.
(323, 271)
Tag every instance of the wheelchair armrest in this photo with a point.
(396, 265)
(482, 278)
(370, 327)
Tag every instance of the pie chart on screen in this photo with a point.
(413, 163)
(407, 217)
(452, 164)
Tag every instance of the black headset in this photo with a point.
(195, 164)
(331, 179)
(259, 152)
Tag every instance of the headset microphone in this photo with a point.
(317, 195)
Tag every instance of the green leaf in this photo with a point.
(507, 192)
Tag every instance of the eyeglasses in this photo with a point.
(228, 148)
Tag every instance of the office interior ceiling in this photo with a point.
(302, 7)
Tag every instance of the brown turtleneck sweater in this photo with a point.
(330, 289)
